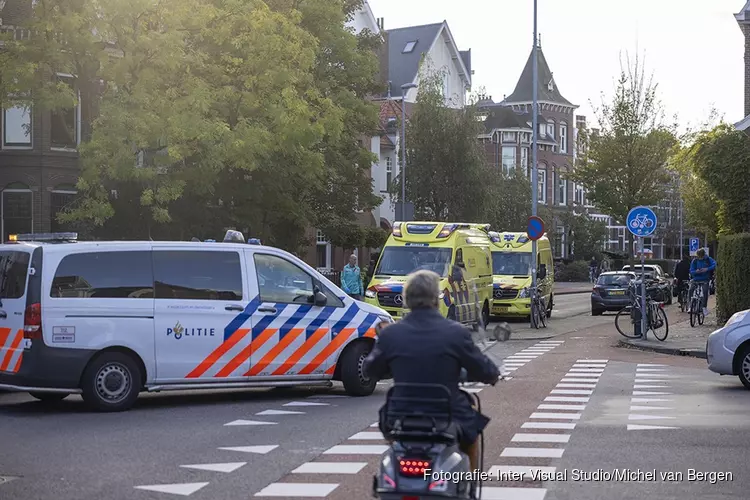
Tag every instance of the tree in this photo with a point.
(624, 165)
(446, 175)
(509, 204)
(715, 170)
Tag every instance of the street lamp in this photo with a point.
(404, 88)
(534, 147)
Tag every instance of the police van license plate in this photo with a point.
(500, 308)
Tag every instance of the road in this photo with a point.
(574, 403)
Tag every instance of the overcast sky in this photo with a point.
(694, 47)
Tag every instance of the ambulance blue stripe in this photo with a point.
(267, 320)
(345, 319)
(298, 316)
(241, 318)
(366, 324)
(318, 322)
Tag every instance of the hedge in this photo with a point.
(575, 271)
(732, 272)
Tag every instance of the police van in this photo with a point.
(108, 320)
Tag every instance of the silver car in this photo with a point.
(728, 348)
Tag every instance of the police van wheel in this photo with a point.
(111, 382)
(550, 306)
(352, 375)
(49, 397)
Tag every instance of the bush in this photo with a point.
(732, 271)
(575, 271)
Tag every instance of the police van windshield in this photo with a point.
(511, 263)
(401, 261)
(14, 268)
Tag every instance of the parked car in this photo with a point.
(610, 292)
(728, 348)
(655, 273)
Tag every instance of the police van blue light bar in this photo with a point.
(254, 241)
(43, 237)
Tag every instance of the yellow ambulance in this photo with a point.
(511, 270)
(458, 252)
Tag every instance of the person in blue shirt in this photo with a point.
(700, 271)
(351, 279)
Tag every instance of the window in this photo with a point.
(542, 129)
(16, 268)
(281, 281)
(509, 159)
(526, 137)
(551, 130)
(323, 251)
(104, 275)
(60, 199)
(64, 127)
(409, 47)
(388, 172)
(446, 84)
(525, 159)
(560, 242)
(17, 210)
(542, 183)
(562, 189)
(563, 138)
(578, 194)
(509, 137)
(197, 275)
(17, 127)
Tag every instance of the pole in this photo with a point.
(535, 131)
(682, 238)
(643, 290)
(403, 156)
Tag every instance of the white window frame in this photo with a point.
(564, 138)
(525, 159)
(509, 137)
(561, 240)
(559, 179)
(321, 241)
(409, 47)
(57, 191)
(2, 205)
(446, 84)
(14, 146)
(551, 129)
(542, 183)
(508, 170)
(388, 173)
(579, 194)
(77, 117)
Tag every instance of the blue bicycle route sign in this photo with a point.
(695, 243)
(641, 221)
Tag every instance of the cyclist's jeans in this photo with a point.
(681, 284)
(704, 285)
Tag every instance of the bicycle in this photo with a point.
(696, 304)
(683, 298)
(656, 317)
(538, 309)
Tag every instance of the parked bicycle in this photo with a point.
(656, 316)
(538, 309)
(696, 304)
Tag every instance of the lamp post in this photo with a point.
(534, 147)
(404, 89)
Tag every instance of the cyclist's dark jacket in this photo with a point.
(708, 263)
(426, 348)
(682, 270)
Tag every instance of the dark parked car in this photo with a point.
(656, 275)
(610, 292)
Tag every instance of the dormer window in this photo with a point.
(409, 47)
(551, 85)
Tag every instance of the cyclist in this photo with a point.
(700, 272)
(593, 266)
(682, 273)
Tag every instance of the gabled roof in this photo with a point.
(545, 91)
(403, 66)
(743, 16)
(500, 116)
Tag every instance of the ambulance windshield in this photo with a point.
(511, 263)
(401, 261)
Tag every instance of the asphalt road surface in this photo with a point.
(575, 406)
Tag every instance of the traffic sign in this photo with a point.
(641, 221)
(535, 228)
(695, 243)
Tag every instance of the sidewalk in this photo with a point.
(683, 340)
(567, 288)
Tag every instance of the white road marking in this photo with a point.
(584, 375)
(182, 489)
(651, 393)
(561, 407)
(549, 425)
(261, 450)
(306, 403)
(498, 493)
(330, 468)
(533, 452)
(650, 381)
(585, 380)
(649, 417)
(642, 408)
(568, 399)
(651, 386)
(574, 386)
(571, 391)
(280, 412)
(649, 364)
(327, 396)
(556, 416)
(634, 427)
(315, 490)
(227, 467)
(541, 438)
(585, 370)
(593, 361)
(644, 370)
(248, 422)
(357, 449)
(368, 436)
(589, 365)
(650, 400)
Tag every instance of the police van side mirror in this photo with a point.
(542, 272)
(320, 299)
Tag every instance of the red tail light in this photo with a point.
(409, 498)
(412, 467)
(32, 322)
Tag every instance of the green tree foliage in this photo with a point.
(509, 204)
(715, 170)
(624, 165)
(446, 175)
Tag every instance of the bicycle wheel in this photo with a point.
(533, 316)
(625, 316)
(701, 317)
(662, 330)
(542, 313)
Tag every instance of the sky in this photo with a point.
(693, 48)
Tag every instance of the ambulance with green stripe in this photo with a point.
(458, 252)
(511, 269)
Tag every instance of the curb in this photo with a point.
(674, 351)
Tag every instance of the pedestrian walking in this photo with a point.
(351, 279)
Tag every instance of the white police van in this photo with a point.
(108, 320)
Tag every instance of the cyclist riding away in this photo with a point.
(700, 270)
(426, 348)
(682, 273)
(593, 266)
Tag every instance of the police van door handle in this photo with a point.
(3, 315)
(271, 310)
(234, 308)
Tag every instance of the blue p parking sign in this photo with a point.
(695, 244)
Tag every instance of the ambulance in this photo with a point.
(108, 320)
(511, 269)
(458, 252)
